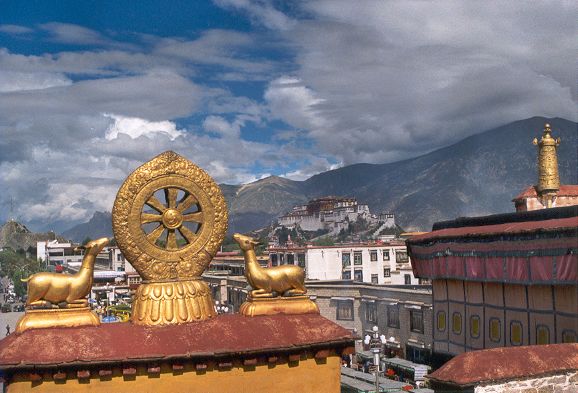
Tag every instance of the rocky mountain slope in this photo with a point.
(16, 236)
(476, 176)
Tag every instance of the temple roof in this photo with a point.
(223, 336)
(502, 364)
(567, 190)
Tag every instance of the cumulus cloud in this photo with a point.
(350, 82)
(135, 127)
(381, 81)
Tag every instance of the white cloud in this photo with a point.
(261, 11)
(15, 29)
(289, 99)
(19, 81)
(381, 81)
(135, 127)
(66, 33)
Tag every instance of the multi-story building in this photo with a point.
(120, 264)
(377, 263)
(402, 313)
(54, 253)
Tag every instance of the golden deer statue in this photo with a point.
(286, 280)
(45, 289)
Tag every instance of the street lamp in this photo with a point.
(375, 342)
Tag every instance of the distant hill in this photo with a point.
(16, 236)
(476, 176)
(100, 225)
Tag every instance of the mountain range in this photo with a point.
(476, 176)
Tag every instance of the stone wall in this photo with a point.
(562, 383)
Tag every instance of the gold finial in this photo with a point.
(548, 176)
(169, 219)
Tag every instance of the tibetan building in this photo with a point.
(169, 219)
(506, 280)
(502, 280)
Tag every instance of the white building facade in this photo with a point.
(377, 263)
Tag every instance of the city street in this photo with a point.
(10, 318)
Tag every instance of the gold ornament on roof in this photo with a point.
(548, 176)
(275, 290)
(59, 300)
(169, 220)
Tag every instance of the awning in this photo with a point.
(342, 298)
(108, 274)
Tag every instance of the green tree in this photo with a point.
(86, 240)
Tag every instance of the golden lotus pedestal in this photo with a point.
(172, 302)
(278, 305)
(57, 317)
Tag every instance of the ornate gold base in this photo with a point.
(173, 302)
(57, 317)
(278, 305)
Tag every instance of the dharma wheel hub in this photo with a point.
(169, 220)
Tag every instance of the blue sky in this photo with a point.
(246, 89)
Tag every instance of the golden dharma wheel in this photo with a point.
(169, 218)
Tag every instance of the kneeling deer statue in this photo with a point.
(286, 280)
(45, 289)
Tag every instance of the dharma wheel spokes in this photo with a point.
(172, 231)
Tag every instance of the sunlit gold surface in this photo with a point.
(548, 176)
(151, 221)
(50, 289)
(164, 303)
(275, 290)
(66, 317)
(278, 305)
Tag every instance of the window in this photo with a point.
(281, 259)
(357, 258)
(393, 316)
(273, 259)
(345, 310)
(542, 334)
(346, 275)
(457, 323)
(416, 321)
(119, 257)
(374, 279)
(516, 334)
(373, 255)
(441, 323)
(407, 279)
(386, 272)
(370, 312)
(568, 336)
(401, 257)
(346, 259)
(301, 260)
(495, 330)
(290, 259)
(358, 275)
(386, 255)
(475, 326)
